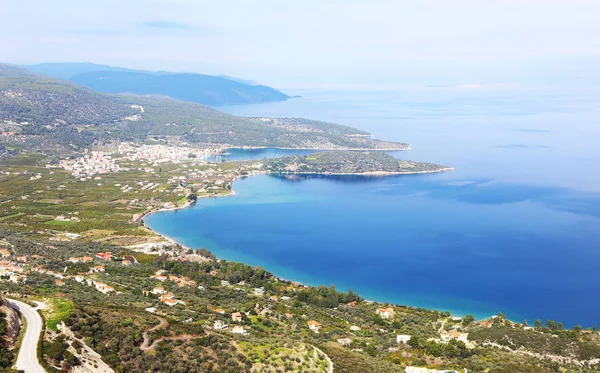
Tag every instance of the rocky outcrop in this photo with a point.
(10, 323)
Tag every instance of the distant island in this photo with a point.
(198, 88)
(349, 163)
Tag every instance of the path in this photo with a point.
(27, 359)
(330, 368)
(145, 346)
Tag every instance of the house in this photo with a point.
(79, 278)
(354, 328)
(344, 341)
(314, 326)
(103, 288)
(22, 259)
(5, 253)
(105, 256)
(259, 291)
(126, 262)
(219, 325)
(160, 278)
(74, 260)
(352, 304)
(59, 283)
(224, 283)
(97, 269)
(173, 302)
(201, 287)
(386, 313)
(239, 330)
(274, 298)
(486, 323)
(237, 316)
(402, 338)
(158, 290)
(164, 297)
(288, 315)
(454, 335)
(86, 259)
(218, 310)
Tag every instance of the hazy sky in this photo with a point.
(289, 43)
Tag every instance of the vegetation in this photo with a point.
(348, 162)
(55, 116)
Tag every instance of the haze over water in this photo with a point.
(513, 228)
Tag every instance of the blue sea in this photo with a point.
(514, 228)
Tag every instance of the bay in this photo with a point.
(513, 228)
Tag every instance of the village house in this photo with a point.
(454, 335)
(173, 302)
(239, 330)
(219, 325)
(5, 253)
(219, 310)
(385, 313)
(344, 341)
(402, 338)
(158, 290)
(22, 259)
(237, 316)
(59, 283)
(105, 256)
(354, 328)
(103, 288)
(314, 326)
(259, 291)
(97, 269)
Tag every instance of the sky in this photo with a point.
(316, 43)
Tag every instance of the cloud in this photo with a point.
(168, 25)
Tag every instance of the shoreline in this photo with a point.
(406, 148)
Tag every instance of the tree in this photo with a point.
(537, 323)
(577, 328)
(468, 319)
(413, 341)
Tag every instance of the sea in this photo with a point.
(514, 228)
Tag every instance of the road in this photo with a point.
(27, 359)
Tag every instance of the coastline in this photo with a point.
(371, 173)
(404, 148)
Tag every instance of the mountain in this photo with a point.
(56, 114)
(199, 88)
(67, 70)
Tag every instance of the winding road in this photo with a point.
(27, 359)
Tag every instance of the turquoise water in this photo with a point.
(514, 228)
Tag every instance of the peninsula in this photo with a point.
(349, 163)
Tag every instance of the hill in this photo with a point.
(348, 162)
(51, 112)
(199, 88)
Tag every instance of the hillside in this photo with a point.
(52, 112)
(349, 162)
(199, 88)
